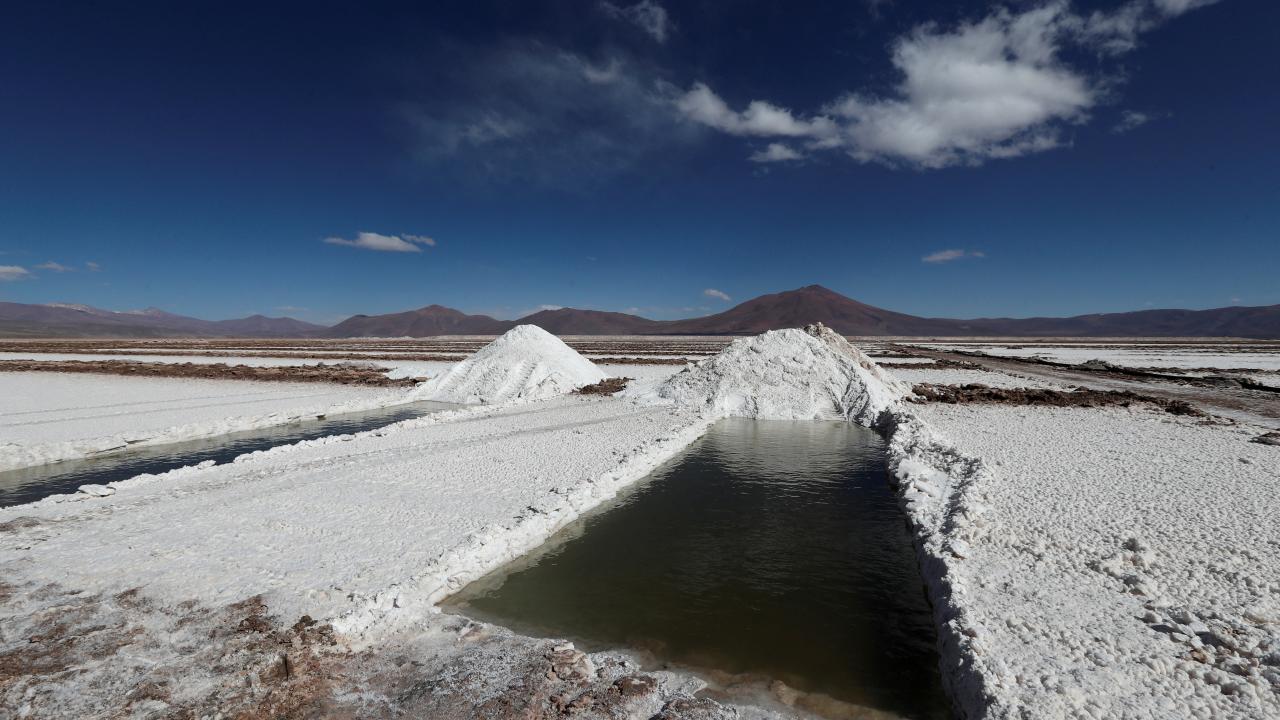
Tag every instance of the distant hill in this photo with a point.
(70, 321)
(815, 303)
(568, 321)
(792, 308)
(423, 322)
(810, 304)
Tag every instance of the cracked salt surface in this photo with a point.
(1127, 564)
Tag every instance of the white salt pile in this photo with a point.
(788, 375)
(526, 363)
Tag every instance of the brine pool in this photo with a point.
(25, 485)
(770, 558)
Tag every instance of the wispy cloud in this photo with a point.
(55, 267)
(718, 294)
(944, 256)
(776, 152)
(998, 87)
(92, 266)
(384, 243)
(647, 15)
(9, 273)
(1133, 119)
(529, 111)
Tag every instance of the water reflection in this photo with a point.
(771, 556)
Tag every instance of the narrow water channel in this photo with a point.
(25, 485)
(770, 557)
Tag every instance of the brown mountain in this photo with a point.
(65, 320)
(815, 303)
(423, 322)
(263, 326)
(569, 321)
(785, 309)
(796, 308)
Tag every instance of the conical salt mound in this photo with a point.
(526, 363)
(787, 374)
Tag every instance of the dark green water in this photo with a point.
(767, 551)
(29, 484)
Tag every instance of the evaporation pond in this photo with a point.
(30, 484)
(769, 556)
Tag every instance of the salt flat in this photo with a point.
(1191, 356)
(1127, 566)
(420, 498)
(46, 417)
(1081, 562)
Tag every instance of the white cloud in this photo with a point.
(1131, 120)
(718, 294)
(9, 273)
(776, 152)
(943, 256)
(999, 87)
(384, 243)
(55, 267)
(649, 16)
(602, 76)
(1177, 7)
(527, 111)
(93, 266)
(760, 118)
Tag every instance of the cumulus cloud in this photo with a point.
(647, 15)
(717, 294)
(54, 267)
(384, 243)
(9, 273)
(945, 256)
(998, 87)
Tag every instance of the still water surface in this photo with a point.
(26, 485)
(767, 553)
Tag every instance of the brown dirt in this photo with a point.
(1271, 438)
(74, 654)
(975, 393)
(340, 373)
(935, 365)
(608, 386)
(252, 667)
(638, 361)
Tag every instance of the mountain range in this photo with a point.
(792, 308)
(64, 320)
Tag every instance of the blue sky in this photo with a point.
(956, 159)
